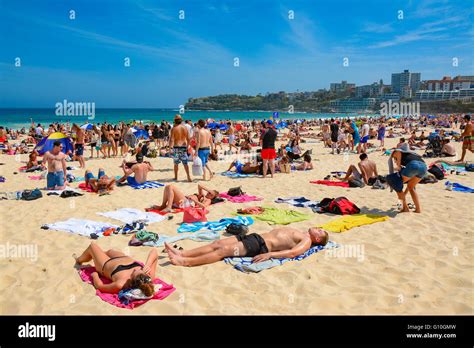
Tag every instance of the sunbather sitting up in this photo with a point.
(278, 243)
(139, 169)
(122, 270)
(174, 198)
(102, 185)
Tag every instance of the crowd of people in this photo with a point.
(206, 141)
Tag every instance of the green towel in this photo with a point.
(276, 216)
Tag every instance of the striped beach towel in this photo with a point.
(245, 264)
(147, 185)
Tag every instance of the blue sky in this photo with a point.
(173, 59)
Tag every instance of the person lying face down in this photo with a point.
(122, 270)
(282, 242)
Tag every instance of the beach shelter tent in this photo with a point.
(87, 126)
(141, 133)
(46, 144)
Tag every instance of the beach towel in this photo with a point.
(85, 187)
(215, 225)
(113, 299)
(147, 185)
(459, 187)
(202, 236)
(35, 177)
(129, 215)
(175, 211)
(237, 175)
(330, 183)
(448, 168)
(240, 198)
(80, 226)
(345, 223)
(300, 202)
(276, 216)
(245, 264)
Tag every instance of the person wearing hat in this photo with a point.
(268, 154)
(412, 169)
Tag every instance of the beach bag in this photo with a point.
(343, 206)
(192, 214)
(237, 229)
(285, 168)
(470, 167)
(395, 181)
(437, 172)
(197, 167)
(235, 191)
(31, 195)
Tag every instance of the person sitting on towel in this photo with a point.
(122, 270)
(282, 242)
(139, 169)
(368, 171)
(102, 185)
(174, 198)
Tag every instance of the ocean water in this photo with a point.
(18, 118)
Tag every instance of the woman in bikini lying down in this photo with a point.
(174, 198)
(122, 270)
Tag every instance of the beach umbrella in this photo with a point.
(87, 126)
(223, 127)
(46, 144)
(212, 125)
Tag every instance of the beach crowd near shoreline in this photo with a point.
(240, 172)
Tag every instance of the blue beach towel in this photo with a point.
(245, 264)
(214, 225)
(146, 185)
(237, 175)
(460, 188)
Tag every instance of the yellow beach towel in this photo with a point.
(350, 221)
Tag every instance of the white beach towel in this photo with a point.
(80, 226)
(129, 215)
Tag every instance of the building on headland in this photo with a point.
(341, 87)
(352, 104)
(466, 95)
(370, 91)
(400, 82)
(449, 84)
(389, 96)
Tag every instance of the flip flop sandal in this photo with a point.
(411, 206)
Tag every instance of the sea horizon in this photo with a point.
(17, 118)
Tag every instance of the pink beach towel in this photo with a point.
(331, 183)
(175, 211)
(34, 177)
(113, 299)
(241, 198)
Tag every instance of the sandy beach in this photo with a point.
(409, 264)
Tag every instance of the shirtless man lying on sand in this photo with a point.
(278, 243)
(174, 198)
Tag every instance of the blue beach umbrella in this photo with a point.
(141, 133)
(46, 144)
(87, 126)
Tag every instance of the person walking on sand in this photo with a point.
(57, 168)
(468, 137)
(179, 142)
(269, 136)
(231, 134)
(79, 145)
(282, 242)
(204, 146)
